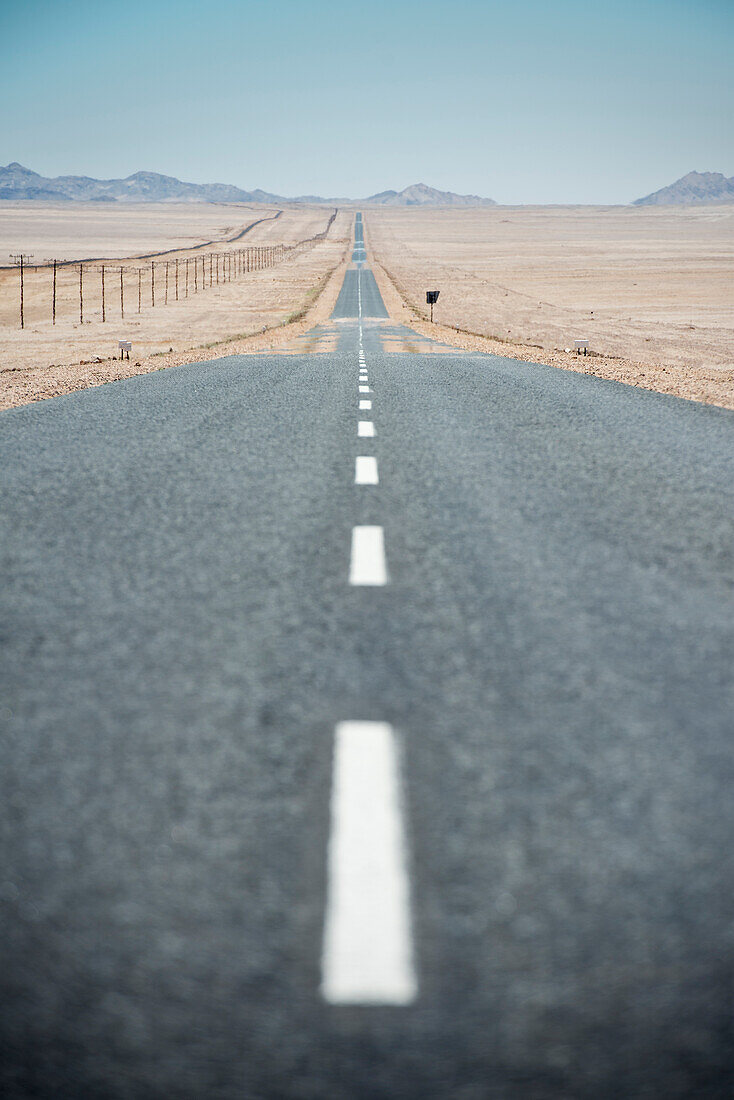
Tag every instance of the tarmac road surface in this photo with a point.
(376, 750)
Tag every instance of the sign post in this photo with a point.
(431, 299)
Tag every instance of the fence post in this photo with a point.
(81, 294)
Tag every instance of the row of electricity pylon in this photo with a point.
(161, 282)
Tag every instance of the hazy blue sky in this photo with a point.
(524, 101)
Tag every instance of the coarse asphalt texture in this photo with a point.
(554, 647)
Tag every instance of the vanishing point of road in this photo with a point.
(367, 730)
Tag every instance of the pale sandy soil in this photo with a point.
(43, 360)
(652, 289)
(75, 231)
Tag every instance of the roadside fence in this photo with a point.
(106, 290)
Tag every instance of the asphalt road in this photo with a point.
(553, 648)
(358, 282)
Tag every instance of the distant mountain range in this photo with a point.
(17, 182)
(695, 188)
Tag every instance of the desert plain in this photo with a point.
(163, 244)
(650, 288)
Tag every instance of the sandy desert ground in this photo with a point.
(45, 359)
(652, 289)
(75, 231)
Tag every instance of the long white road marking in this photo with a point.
(365, 404)
(367, 564)
(365, 389)
(368, 944)
(359, 289)
(365, 428)
(365, 470)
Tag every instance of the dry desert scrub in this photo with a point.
(258, 311)
(475, 310)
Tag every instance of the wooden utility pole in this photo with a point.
(140, 288)
(53, 290)
(211, 261)
(177, 279)
(81, 294)
(20, 260)
(187, 276)
(152, 283)
(122, 298)
(103, 310)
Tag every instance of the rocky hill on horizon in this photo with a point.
(693, 189)
(419, 194)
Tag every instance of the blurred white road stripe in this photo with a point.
(365, 470)
(368, 948)
(367, 565)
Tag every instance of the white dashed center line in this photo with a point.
(365, 404)
(368, 947)
(365, 389)
(365, 428)
(367, 564)
(365, 470)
